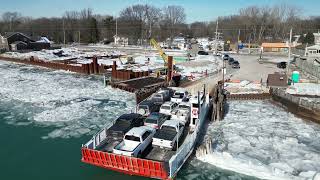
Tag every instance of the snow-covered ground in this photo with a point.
(304, 89)
(71, 103)
(260, 139)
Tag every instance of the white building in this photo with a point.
(3, 43)
(313, 54)
(123, 41)
(316, 38)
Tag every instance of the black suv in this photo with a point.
(125, 122)
(230, 61)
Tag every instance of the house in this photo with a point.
(313, 51)
(316, 38)
(3, 44)
(123, 41)
(19, 41)
(277, 80)
(275, 47)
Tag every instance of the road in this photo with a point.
(251, 69)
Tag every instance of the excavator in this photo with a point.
(176, 77)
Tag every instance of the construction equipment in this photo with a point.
(155, 44)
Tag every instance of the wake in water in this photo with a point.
(259, 139)
(73, 104)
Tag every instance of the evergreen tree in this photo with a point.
(94, 32)
(309, 38)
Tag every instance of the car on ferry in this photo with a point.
(145, 108)
(161, 96)
(135, 142)
(180, 96)
(124, 123)
(167, 107)
(169, 134)
(155, 120)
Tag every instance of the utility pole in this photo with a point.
(79, 37)
(216, 48)
(116, 26)
(238, 41)
(250, 43)
(64, 33)
(289, 55)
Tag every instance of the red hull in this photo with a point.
(125, 164)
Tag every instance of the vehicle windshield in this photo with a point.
(235, 62)
(150, 120)
(184, 106)
(178, 95)
(123, 122)
(132, 138)
(195, 105)
(168, 128)
(165, 107)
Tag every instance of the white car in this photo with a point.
(169, 134)
(179, 96)
(167, 107)
(135, 141)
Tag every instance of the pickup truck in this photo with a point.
(155, 120)
(161, 96)
(167, 107)
(168, 135)
(116, 132)
(182, 114)
(179, 96)
(135, 142)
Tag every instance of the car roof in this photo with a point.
(129, 116)
(185, 103)
(138, 131)
(171, 123)
(147, 102)
(170, 103)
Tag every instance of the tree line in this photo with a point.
(141, 22)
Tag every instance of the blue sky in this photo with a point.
(196, 10)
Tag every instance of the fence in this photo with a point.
(308, 67)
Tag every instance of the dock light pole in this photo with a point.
(289, 55)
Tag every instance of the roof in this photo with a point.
(277, 79)
(170, 103)
(171, 123)
(317, 46)
(274, 45)
(129, 116)
(138, 131)
(19, 42)
(9, 34)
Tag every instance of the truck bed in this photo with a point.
(165, 135)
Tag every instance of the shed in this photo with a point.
(275, 47)
(277, 80)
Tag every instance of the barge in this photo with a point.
(154, 162)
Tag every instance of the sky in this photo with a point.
(196, 10)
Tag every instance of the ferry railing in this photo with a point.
(185, 150)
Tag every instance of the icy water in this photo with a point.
(46, 115)
(261, 139)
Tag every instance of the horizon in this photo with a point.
(200, 10)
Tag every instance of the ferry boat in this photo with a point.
(139, 157)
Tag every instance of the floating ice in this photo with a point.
(73, 104)
(260, 139)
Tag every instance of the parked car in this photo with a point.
(181, 114)
(179, 96)
(236, 64)
(124, 123)
(161, 96)
(230, 61)
(168, 135)
(155, 120)
(135, 142)
(282, 65)
(225, 57)
(148, 106)
(167, 107)
(203, 53)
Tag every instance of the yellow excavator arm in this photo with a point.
(155, 44)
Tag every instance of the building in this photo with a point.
(123, 41)
(275, 47)
(317, 38)
(277, 80)
(3, 44)
(18, 41)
